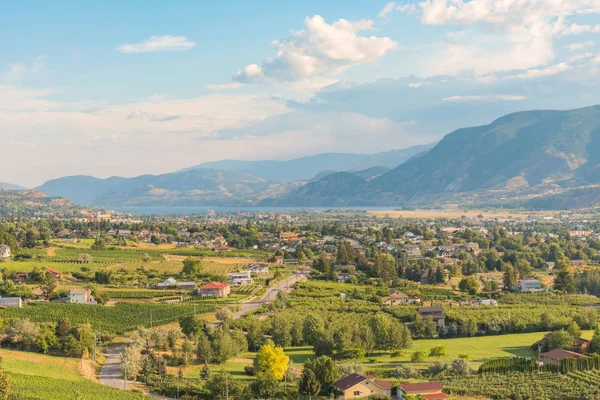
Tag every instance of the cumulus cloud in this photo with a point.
(579, 46)
(19, 70)
(156, 44)
(320, 49)
(156, 117)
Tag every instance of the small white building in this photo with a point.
(4, 251)
(81, 296)
(259, 269)
(171, 282)
(11, 302)
(528, 285)
(242, 278)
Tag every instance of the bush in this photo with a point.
(418, 356)
(437, 351)
(249, 370)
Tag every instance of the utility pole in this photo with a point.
(94, 353)
(150, 319)
(226, 387)
(125, 384)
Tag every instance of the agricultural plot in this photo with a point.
(65, 266)
(118, 319)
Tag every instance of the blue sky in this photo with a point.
(126, 88)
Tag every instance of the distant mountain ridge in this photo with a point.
(305, 168)
(524, 152)
(10, 186)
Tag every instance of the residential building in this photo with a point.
(344, 277)
(549, 265)
(426, 390)
(171, 282)
(578, 263)
(11, 302)
(81, 296)
(242, 278)
(55, 273)
(357, 386)
(259, 268)
(279, 259)
(397, 298)
(528, 285)
(412, 250)
(288, 236)
(554, 357)
(216, 289)
(4, 251)
(436, 313)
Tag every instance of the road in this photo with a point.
(111, 371)
(270, 295)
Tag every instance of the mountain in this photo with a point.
(192, 187)
(33, 203)
(368, 174)
(305, 168)
(524, 153)
(10, 186)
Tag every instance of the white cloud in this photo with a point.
(320, 49)
(579, 46)
(541, 72)
(575, 29)
(158, 43)
(596, 60)
(392, 6)
(17, 71)
(493, 97)
(224, 86)
(389, 7)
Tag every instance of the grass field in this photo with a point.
(26, 363)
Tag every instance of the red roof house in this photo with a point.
(427, 390)
(215, 289)
(55, 273)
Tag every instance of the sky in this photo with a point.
(128, 88)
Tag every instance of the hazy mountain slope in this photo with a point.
(306, 168)
(199, 183)
(519, 150)
(30, 203)
(10, 186)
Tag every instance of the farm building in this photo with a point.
(216, 289)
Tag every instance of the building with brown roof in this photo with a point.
(427, 390)
(435, 313)
(216, 289)
(357, 386)
(554, 357)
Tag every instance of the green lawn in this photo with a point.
(27, 363)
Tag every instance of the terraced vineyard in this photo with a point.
(63, 266)
(245, 289)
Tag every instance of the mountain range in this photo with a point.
(527, 158)
(10, 186)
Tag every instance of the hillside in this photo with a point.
(10, 186)
(193, 187)
(521, 153)
(305, 168)
(29, 203)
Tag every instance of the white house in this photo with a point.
(170, 282)
(259, 268)
(242, 278)
(4, 251)
(528, 285)
(81, 296)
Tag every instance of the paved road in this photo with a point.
(270, 295)
(111, 371)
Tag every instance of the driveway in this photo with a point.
(270, 295)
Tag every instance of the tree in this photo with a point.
(48, 285)
(418, 356)
(574, 330)
(323, 344)
(469, 284)
(309, 385)
(265, 386)
(190, 326)
(203, 349)
(312, 325)
(131, 362)
(192, 267)
(510, 276)
(564, 281)
(595, 342)
(385, 266)
(187, 351)
(430, 327)
(280, 331)
(437, 351)
(4, 383)
(322, 265)
(254, 334)
(460, 366)
(221, 385)
(271, 360)
(325, 370)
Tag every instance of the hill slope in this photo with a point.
(29, 203)
(305, 168)
(10, 186)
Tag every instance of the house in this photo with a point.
(279, 259)
(288, 236)
(554, 357)
(55, 273)
(170, 282)
(259, 268)
(436, 313)
(81, 296)
(4, 251)
(11, 302)
(216, 289)
(344, 277)
(528, 285)
(357, 386)
(412, 250)
(579, 345)
(426, 390)
(399, 298)
(578, 263)
(549, 265)
(242, 278)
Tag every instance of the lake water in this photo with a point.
(203, 210)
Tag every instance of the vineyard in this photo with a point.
(245, 289)
(29, 387)
(544, 385)
(118, 319)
